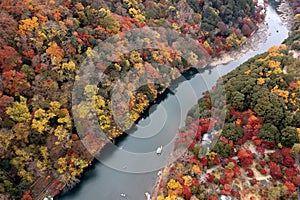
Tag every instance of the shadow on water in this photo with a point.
(110, 149)
(187, 75)
(89, 174)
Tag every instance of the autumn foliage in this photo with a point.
(26, 196)
(43, 45)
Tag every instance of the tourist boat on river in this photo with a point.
(159, 150)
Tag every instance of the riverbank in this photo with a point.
(257, 37)
(250, 45)
(251, 149)
(136, 187)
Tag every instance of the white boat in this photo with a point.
(159, 150)
(159, 173)
(123, 195)
(148, 196)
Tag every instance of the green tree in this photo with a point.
(289, 136)
(238, 100)
(231, 132)
(6, 185)
(110, 23)
(269, 132)
(210, 19)
(268, 106)
(223, 149)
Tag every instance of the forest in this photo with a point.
(44, 43)
(255, 153)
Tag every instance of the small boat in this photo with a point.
(159, 173)
(148, 196)
(123, 195)
(159, 150)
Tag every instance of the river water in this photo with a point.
(132, 167)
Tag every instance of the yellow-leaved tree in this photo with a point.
(19, 111)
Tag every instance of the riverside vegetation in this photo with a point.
(256, 152)
(42, 46)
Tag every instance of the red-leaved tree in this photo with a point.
(275, 171)
(26, 196)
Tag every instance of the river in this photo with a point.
(106, 182)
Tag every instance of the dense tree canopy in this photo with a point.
(44, 43)
(255, 153)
